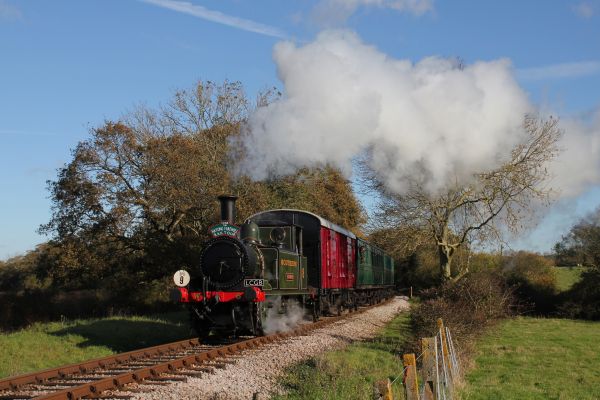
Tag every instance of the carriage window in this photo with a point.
(280, 236)
(299, 244)
(349, 251)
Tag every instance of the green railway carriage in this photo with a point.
(375, 268)
(388, 270)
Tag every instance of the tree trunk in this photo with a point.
(445, 262)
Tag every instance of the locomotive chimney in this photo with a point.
(228, 208)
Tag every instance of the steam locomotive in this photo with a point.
(276, 258)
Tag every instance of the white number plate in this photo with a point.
(181, 278)
(254, 282)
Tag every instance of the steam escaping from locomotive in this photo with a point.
(435, 120)
(281, 318)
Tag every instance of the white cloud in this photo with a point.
(9, 11)
(186, 7)
(584, 10)
(560, 71)
(430, 120)
(330, 13)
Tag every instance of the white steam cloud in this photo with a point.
(578, 166)
(434, 119)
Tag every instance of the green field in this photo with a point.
(536, 358)
(46, 345)
(350, 373)
(567, 276)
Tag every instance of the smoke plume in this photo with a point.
(436, 119)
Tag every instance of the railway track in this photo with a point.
(153, 365)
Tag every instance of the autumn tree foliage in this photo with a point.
(137, 198)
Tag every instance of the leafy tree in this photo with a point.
(323, 191)
(464, 213)
(148, 185)
(582, 244)
(19, 273)
(137, 198)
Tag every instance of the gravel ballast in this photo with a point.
(258, 370)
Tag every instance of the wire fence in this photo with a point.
(436, 377)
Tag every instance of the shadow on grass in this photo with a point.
(394, 338)
(125, 334)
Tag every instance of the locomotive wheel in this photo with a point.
(258, 318)
(355, 302)
(316, 313)
(339, 306)
(202, 329)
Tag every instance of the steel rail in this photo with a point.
(39, 377)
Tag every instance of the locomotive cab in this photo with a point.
(284, 263)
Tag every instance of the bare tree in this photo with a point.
(472, 212)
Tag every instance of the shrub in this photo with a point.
(466, 306)
(485, 262)
(534, 280)
(24, 307)
(420, 270)
(583, 299)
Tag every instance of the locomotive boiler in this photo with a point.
(276, 258)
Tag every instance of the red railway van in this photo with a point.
(338, 266)
(330, 249)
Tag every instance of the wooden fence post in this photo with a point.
(429, 369)
(382, 390)
(411, 385)
(445, 351)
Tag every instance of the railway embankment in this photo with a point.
(142, 373)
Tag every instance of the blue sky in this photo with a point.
(66, 66)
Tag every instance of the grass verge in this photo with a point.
(47, 345)
(350, 373)
(567, 276)
(537, 358)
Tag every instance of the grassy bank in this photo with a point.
(350, 374)
(536, 358)
(46, 345)
(567, 276)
